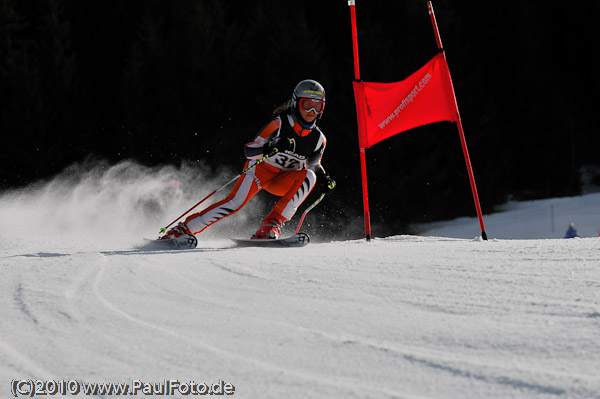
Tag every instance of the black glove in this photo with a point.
(326, 183)
(277, 145)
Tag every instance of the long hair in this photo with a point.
(283, 108)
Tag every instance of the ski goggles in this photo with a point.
(308, 105)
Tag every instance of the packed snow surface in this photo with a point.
(429, 316)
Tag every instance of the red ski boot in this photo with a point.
(271, 227)
(174, 232)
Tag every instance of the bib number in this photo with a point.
(287, 162)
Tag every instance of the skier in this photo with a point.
(571, 231)
(294, 144)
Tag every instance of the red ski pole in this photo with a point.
(308, 210)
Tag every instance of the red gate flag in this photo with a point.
(386, 109)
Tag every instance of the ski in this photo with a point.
(297, 240)
(189, 242)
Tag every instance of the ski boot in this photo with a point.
(270, 228)
(181, 236)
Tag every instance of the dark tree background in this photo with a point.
(163, 82)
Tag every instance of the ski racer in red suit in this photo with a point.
(295, 145)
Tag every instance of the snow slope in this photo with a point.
(398, 317)
(547, 218)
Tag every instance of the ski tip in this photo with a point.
(303, 238)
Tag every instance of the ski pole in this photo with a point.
(249, 168)
(308, 210)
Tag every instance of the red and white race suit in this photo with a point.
(289, 175)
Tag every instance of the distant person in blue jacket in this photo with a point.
(571, 231)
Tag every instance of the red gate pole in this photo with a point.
(458, 122)
(359, 110)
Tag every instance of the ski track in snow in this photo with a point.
(401, 317)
